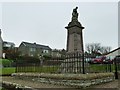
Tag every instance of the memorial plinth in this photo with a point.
(74, 34)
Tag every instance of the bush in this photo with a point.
(27, 59)
(5, 62)
(47, 57)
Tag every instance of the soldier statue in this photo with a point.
(75, 14)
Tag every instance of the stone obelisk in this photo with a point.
(1, 47)
(74, 34)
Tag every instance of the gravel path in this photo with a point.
(105, 86)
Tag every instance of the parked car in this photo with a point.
(100, 59)
(91, 60)
(108, 60)
(97, 60)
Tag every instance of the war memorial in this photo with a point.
(74, 46)
(73, 72)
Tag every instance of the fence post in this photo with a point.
(77, 63)
(116, 73)
(106, 67)
(16, 66)
(110, 67)
(83, 64)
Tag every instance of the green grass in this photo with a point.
(7, 70)
(101, 67)
(48, 69)
(44, 69)
(52, 69)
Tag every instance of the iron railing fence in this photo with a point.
(71, 63)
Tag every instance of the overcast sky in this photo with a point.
(45, 22)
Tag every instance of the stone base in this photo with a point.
(71, 80)
(73, 66)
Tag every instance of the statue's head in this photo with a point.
(76, 8)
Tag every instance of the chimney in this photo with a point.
(34, 42)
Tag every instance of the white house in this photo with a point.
(113, 53)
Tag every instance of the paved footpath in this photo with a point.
(113, 84)
(104, 86)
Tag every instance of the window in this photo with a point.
(45, 51)
(31, 55)
(32, 49)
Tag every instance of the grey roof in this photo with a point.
(8, 43)
(34, 45)
(113, 50)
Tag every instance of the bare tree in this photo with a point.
(93, 47)
(96, 48)
(104, 49)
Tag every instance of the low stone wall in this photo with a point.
(72, 80)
